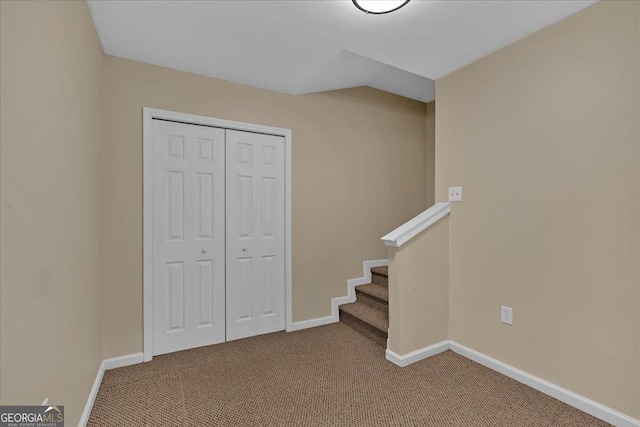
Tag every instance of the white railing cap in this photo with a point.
(409, 229)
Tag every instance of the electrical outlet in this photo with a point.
(506, 315)
(455, 194)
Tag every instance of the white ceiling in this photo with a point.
(300, 47)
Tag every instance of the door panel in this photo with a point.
(268, 282)
(175, 296)
(205, 294)
(244, 212)
(244, 281)
(175, 205)
(205, 206)
(255, 234)
(188, 236)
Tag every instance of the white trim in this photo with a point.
(570, 398)
(409, 229)
(147, 233)
(312, 323)
(121, 361)
(350, 297)
(84, 419)
(107, 364)
(288, 255)
(148, 114)
(417, 355)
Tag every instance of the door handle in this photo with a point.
(244, 249)
(204, 250)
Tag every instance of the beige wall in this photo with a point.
(431, 153)
(544, 137)
(50, 171)
(419, 290)
(359, 171)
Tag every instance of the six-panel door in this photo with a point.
(188, 236)
(255, 234)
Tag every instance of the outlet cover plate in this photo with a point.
(455, 194)
(506, 315)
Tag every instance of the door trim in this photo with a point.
(148, 114)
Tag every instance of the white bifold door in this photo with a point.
(255, 234)
(218, 235)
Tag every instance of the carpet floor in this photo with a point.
(325, 376)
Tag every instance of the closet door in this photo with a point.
(188, 236)
(255, 234)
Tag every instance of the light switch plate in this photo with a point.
(455, 194)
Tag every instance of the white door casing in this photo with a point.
(255, 234)
(188, 236)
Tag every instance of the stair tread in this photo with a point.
(376, 318)
(375, 290)
(383, 271)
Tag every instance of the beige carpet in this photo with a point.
(326, 376)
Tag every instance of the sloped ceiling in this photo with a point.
(300, 47)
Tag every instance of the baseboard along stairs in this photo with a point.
(369, 314)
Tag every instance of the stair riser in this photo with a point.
(364, 328)
(379, 279)
(372, 302)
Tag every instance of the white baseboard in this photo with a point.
(107, 364)
(415, 356)
(338, 301)
(84, 419)
(312, 323)
(121, 361)
(570, 398)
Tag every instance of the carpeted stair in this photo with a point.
(369, 315)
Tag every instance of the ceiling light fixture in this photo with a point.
(378, 7)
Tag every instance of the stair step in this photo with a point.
(370, 322)
(383, 271)
(376, 296)
(369, 315)
(376, 291)
(380, 275)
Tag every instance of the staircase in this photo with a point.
(369, 315)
